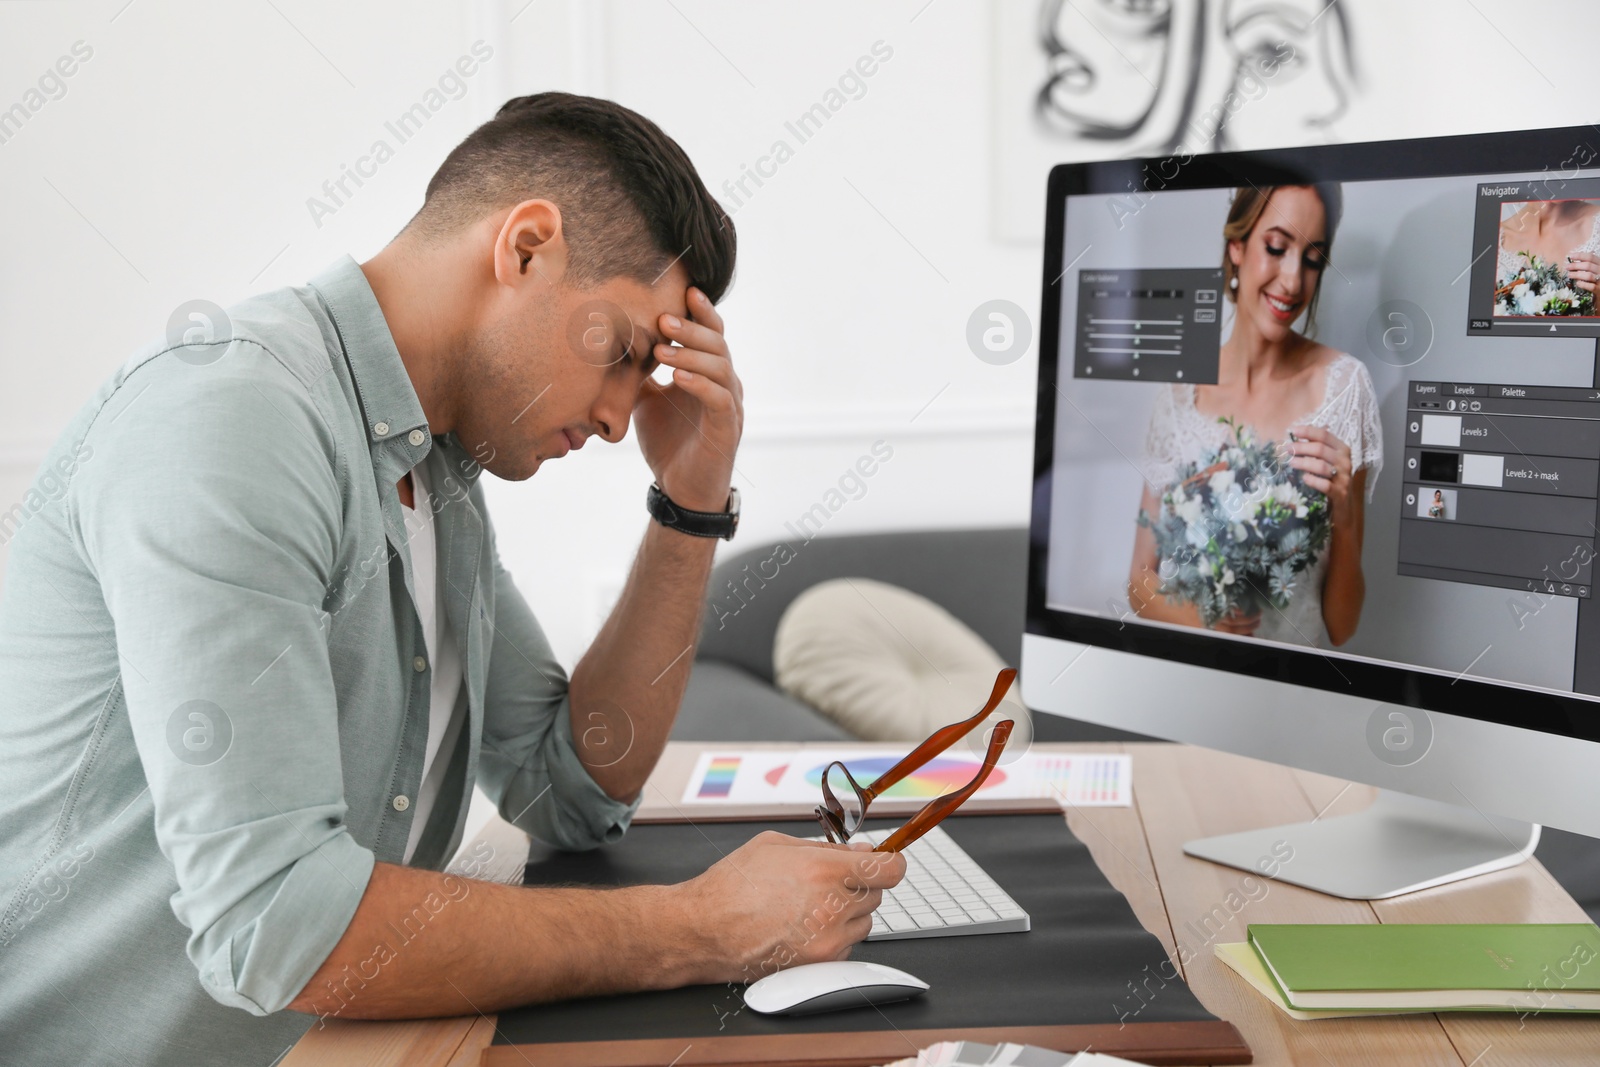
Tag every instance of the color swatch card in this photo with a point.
(738, 777)
(1084, 779)
(1075, 779)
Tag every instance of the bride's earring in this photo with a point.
(1233, 283)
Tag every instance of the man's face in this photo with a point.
(557, 365)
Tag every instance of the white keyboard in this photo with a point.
(944, 893)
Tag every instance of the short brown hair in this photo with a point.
(1250, 203)
(631, 202)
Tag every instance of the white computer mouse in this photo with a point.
(814, 987)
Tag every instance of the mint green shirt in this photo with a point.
(214, 687)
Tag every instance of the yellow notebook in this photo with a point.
(1244, 962)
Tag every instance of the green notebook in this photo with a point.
(1433, 967)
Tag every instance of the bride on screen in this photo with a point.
(1565, 233)
(1317, 403)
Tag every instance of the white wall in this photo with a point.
(179, 161)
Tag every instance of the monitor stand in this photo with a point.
(1399, 845)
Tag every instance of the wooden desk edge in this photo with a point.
(1204, 1042)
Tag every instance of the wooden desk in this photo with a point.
(1180, 793)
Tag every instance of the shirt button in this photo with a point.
(419, 664)
(416, 437)
(380, 428)
(401, 803)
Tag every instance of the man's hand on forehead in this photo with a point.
(689, 428)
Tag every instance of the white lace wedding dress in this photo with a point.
(1180, 434)
(1508, 262)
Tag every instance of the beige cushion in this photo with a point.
(889, 665)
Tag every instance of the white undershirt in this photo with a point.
(443, 724)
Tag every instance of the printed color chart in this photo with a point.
(719, 776)
(765, 776)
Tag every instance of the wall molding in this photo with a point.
(809, 425)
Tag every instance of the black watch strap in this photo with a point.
(721, 524)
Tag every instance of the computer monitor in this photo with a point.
(1427, 621)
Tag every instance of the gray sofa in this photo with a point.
(978, 576)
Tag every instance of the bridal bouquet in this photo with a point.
(1236, 529)
(1540, 288)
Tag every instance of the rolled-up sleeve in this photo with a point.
(211, 522)
(528, 764)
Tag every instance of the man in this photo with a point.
(255, 656)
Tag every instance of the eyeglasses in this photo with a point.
(844, 800)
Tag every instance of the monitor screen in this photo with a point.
(1331, 415)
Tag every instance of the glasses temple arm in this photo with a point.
(936, 810)
(942, 739)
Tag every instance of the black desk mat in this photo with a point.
(1079, 964)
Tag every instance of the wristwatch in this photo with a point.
(721, 524)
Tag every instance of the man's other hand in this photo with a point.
(778, 901)
(689, 429)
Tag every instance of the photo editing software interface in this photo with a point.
(1449, 354)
